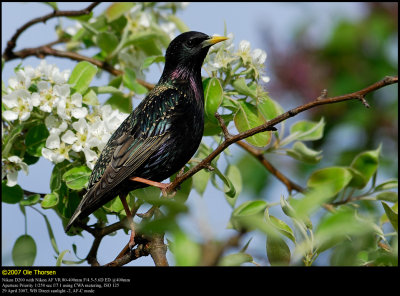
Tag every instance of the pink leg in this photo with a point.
(162, 186)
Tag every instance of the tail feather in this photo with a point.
(74, 217)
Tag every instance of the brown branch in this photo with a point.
(141, 250)
(258, 154)
(47, 50)
(158, 250)
(359, 95)
(8, 53)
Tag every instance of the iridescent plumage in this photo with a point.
(161, 135)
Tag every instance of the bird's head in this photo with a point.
(187, 52)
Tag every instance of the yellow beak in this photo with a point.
(214, 40)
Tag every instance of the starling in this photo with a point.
(160, 136)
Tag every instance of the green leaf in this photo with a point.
(50, 200)
(35, 139)
(278, 251)
(232, 173)
(212, 97)
(310, 202)
(301, 152)
(392, 216)
(68, 203)
(281, 226)
(116, 82)
(82, 76)
(30, 200)
(212, 128)
(248, 117)
(249, 208)
(147, 41)
(90, 98)
(333, 179)
(24, 251)
(254, 175)
(308, 130)
(108, 89)
(236, 259)
(30, 159)
(242, 88)
(229, 188)
(60, 257)
(51, 234)
(388, 196)
(185, 188)
(107, 41)
(384, 218)
(186, 251)
(52, 5)
(200, 181)
(305, 130)
(201, 178)
(11, 195)
(129, 80)
(120, 103)
(56, 174)
(115, 10)
(148, 194)
(77, 178)
(364, 167)
(153, 59)
(389, 184)
(269, 108)
(337, 226)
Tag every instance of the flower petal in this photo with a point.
(69, 137)
(10, 115)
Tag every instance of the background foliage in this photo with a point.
(337, 155)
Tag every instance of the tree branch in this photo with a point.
(258, 154)
(359, 95)
(8, 53)
(47, 50)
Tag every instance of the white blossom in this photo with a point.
(45, 99)
(259, 56)
(145, 19)
(10, 168)
(67, 105)
(81, 128)
(19, 105)
(55, 150)
(244, 46)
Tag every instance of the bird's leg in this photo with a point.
(162, 186)
(130, 219)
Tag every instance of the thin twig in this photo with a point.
(8, 53)
(258, 154)
(267, 126)
(46, 50)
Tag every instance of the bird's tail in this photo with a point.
(74, 217)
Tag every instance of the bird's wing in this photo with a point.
(130, 147)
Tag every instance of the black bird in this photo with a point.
(160, 136)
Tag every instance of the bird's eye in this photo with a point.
(191, 43)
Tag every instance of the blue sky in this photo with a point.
(244, 20)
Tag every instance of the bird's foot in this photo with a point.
(162, 186)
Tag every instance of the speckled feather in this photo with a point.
(159, 137)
